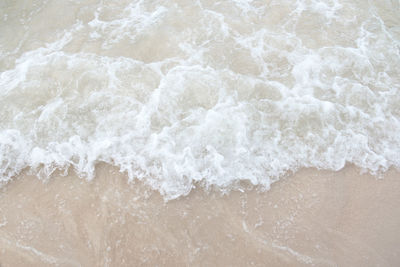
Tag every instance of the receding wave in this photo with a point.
(216, 92)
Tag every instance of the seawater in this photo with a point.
(178, 93)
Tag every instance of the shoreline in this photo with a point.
(312, 217)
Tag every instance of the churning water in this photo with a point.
(215, 92)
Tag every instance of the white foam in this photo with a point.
(177, 93)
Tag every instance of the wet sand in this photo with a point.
(318, 218)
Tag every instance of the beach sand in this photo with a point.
(319, 218)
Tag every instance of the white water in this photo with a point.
(175, 92)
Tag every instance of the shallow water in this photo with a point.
(314, 218)
(215, 92)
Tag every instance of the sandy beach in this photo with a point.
(311, 218)
(189, 98)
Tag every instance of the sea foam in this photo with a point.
(215, 92)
